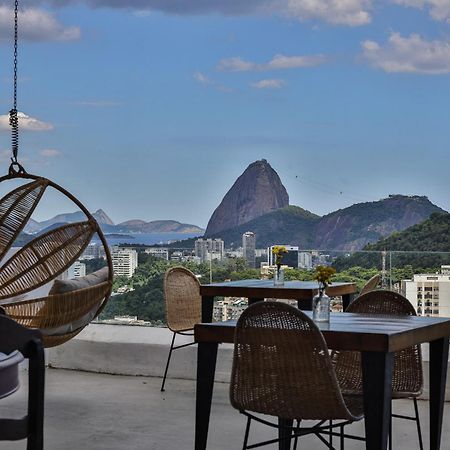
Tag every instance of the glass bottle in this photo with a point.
(278, 277)
(321, 307)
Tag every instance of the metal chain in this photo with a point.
(13, 119)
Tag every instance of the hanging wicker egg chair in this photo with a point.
(69, 306)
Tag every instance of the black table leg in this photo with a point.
(206, 368)
(305, 305)
(438, 377)
(377, 370)
(285, 435)
(346, 300)
(207, 308)
(254, 300)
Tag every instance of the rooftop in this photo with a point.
(110, 412)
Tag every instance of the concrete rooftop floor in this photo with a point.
(96, 411)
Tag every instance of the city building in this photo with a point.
(93, 251)
(161, 253)
(77, 269)
(209, 249)
(305, 260)
(429, 293)
(290, 258)
(248, 248)
(125, 261)
(230, 308)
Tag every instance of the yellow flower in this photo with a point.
(279, 251)
(324, 274)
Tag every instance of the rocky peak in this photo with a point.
(102, 218)
(256, 192)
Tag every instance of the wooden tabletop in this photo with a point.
(298, 290)
(347, 331)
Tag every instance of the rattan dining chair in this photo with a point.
(282, 368)
(371, 284)
(407, 380)
(183, 306)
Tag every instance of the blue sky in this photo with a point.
(152, 109)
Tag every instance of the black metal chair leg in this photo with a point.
(296, 437)
(342, 438)
(168, 362)
(331, 434)
(247, 432)
(419, 430)
(390, 429)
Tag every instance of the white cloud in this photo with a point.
(438, 9)
(35, 25)
(278, 62)
(338, 12)
(411, 54)
(202, 78)
(49, 152)
(26, 123)
(269, 84)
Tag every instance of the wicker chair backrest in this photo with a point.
(408, 377)
(281, 366)
(371, 284)
(182, 298)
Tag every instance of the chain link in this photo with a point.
(13, 119)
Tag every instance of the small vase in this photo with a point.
(321, 307)
(278, 277)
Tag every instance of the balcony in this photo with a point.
(105, 412)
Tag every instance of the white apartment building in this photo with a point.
(305, 260)
(208, 249)
(230, 308)
(248, 248)
(92, 251)
(162, 253)
(77, 269)
(429, 293)
(125, 261)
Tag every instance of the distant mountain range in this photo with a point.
(349, 229)
(108, 226)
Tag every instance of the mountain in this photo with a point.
(349, 229)
(100, 216)
(290, 225)
(32, 226)
(421, 247)
(431, 235)
(358, 225)
(256, 192)
(158, 226)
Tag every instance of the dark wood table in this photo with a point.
(377, 338)
(257, 290)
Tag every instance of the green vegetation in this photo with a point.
(146, 301)
(411, 247)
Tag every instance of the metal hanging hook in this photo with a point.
(15, 167)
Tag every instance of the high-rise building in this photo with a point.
(305, 260)
(161, 253)
(125, 261)
(208, 249)
(289, 259)
(248, 246)
(429, 293)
